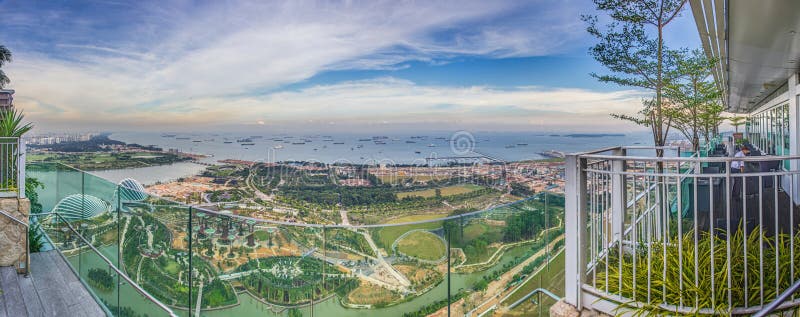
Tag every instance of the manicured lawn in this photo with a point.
(261, 235)
(422, 245)
(446, 191)
(387, 235)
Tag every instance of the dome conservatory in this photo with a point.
(80, 207)
(131, 190)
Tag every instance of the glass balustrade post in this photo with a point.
(119, 251)
(191, 255)
(449, 302)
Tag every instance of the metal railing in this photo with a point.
(12, 167)
(680, 234)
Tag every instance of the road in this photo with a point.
(397, 275)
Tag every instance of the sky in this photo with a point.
(307, 65)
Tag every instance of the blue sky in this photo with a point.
(186, 65)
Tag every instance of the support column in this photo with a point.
(574, 229)
(794, 136)
(618, 197)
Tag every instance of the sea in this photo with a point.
(375, 148)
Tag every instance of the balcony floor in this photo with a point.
(52, 289)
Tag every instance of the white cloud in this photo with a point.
(368, 102)
(194, 65)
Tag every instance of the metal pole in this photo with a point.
(189, 278)
(21, 168)
(448, 273)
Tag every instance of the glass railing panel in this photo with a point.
(393, 260)
(99, 278)
(155, 247)
(215, 246)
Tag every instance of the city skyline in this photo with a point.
(500, 66)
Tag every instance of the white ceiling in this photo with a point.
(762, 47)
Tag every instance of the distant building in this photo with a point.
(6, 98)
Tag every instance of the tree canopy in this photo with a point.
(5, 57)
(632, 48)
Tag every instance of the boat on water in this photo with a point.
(245, 140)
(380, 142)
(360, 146)
(197, 141)
(278, 146)
(522, 144)
(510, 146)
(168, 135)
(417, 152)
(409, 141)
(338, 142)
(182, 138)
(298, 143)
(364, 140)
(226, 142)
(248, 143)
(431, 145)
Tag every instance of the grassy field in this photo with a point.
(552, 280)
(422, 245)
(446, 191)
(392, 179)
(106, 160)
(387, 235)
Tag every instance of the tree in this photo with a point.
(636, 58)
(5, 57)
(694, 97)
(736, 122)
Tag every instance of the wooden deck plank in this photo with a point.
(14, 303)
(48, 284)
(52, 289)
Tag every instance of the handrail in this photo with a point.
(779, 300)
(27, 240)
(534, 292)
(119, 272)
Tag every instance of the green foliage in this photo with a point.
(679, 278)
(11, 123)
(216, 293)
(635, 58)
(294, 312)
(694, 99)
(101, 279)
(521, 190)
(736, 122)
(31, 184)
(5, 56)
(35, 237)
